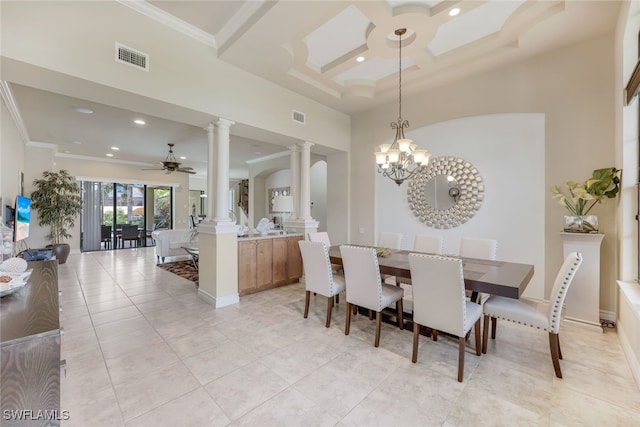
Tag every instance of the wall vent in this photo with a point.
(297, 116)
(132, 57)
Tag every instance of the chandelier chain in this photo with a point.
(400, 32)
(401, 159)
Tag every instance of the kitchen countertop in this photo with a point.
(271, 235)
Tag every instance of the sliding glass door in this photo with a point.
(108, 207)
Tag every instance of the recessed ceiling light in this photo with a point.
(115, 148)
(109, 155)
(139, 122)
(454, 11)
(360, 58)
(82, 110)
(183, 158)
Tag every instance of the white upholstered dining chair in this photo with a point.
(480, 249)
(439, 302)
(323, 237)
(540, 315)
(365, 288)
(428, 244)
(390, 240)
(421, 243)
(318, 275)
(320, 236)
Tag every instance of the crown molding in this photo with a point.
(10, 102)
(170, 21)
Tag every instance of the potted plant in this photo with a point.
(58, 203)
(580, 198)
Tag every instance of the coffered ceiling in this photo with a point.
(343, 54)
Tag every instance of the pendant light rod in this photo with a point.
(401, 159)
(400, 32)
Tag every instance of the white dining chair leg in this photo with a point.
(378, 327)
(461, 344)
(306, 303)
(347, 325)
(477, 332)
(559, 349)
(416, 336)
(554, 344)
(485, 334)
(329, 307)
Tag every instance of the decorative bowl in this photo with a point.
(382, 252)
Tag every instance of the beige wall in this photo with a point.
(41, 159)
(11, 160)
(573, 87)
(79, 61)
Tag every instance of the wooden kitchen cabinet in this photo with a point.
(294, 259)
(247, 267)
(267, 262)
(264, 273)
(280, 274)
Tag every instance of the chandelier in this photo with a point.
(401, 159)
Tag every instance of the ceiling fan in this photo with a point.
(170, 164)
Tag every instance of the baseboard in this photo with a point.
(219, 302)
(609, 316)
(629, 354)
(596, 327)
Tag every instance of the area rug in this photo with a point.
(182, 268)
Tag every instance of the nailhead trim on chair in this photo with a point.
(328, 261)
(557, 306)
(379, 279)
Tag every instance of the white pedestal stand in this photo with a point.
(583, 299)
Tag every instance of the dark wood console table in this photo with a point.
(30, 351)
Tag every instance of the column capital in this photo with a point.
(306, 144)
(224, 122)
(209, 127)
(294, 147)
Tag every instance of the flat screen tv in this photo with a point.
(9, 216)
(23, 218)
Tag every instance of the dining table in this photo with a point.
(502, 278)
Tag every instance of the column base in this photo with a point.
(218, 270)
(220, 301)
(301, 226)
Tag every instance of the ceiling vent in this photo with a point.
(297, 116)
(132, 57)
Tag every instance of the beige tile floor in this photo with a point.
(143, 350)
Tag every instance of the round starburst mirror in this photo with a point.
(446, 193)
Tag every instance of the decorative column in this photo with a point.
(303, 223)
(305, 180)
(222, 186)
(211, 177)
(583, 298)
(218, 238)
(295, 179)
